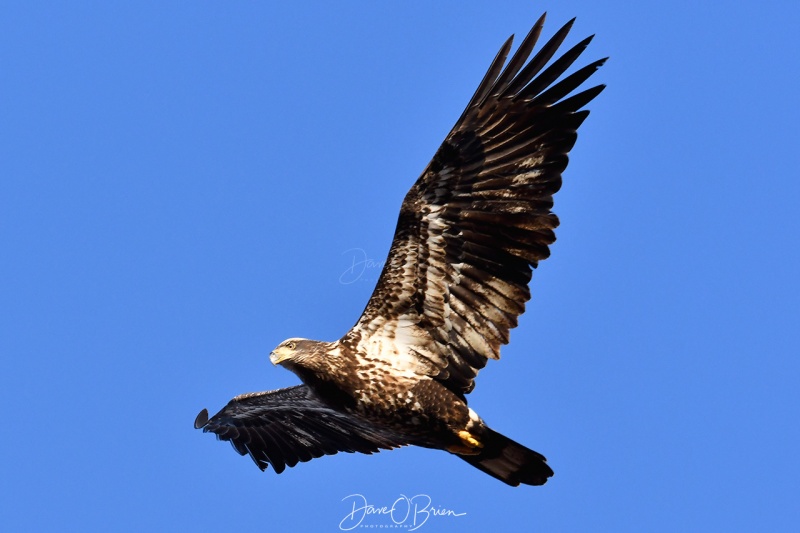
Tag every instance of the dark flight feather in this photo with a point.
(287, 426)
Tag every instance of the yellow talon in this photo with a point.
(469, 444)
(469, 440)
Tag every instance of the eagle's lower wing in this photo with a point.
(287, 426)
(478, 219)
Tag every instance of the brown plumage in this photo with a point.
(469, 233)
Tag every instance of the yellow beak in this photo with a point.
(278, 356)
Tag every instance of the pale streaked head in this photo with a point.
(285, 351)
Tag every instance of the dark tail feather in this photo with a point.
(509, 461)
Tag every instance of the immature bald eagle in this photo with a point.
(469, 233)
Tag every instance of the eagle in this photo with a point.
(470, 232)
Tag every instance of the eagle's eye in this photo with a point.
(291, 345)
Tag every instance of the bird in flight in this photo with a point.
(469, 233)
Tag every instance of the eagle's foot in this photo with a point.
(469, 445)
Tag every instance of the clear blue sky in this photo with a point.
(183, 185)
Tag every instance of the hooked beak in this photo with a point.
(278, 356)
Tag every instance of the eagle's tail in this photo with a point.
(509, 461)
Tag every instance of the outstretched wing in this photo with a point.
(478, 219)
(287, 426)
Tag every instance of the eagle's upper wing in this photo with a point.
(287, 426)
(478, 219)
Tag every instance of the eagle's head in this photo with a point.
(299, 353)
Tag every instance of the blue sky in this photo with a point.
(184, 185)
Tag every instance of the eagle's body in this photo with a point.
(422, 410)
(469, 232)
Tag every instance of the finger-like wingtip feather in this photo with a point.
(201, 420)
(568, 84)
(539, 60)
(491, 75)
(551, 73)
(519, 58)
